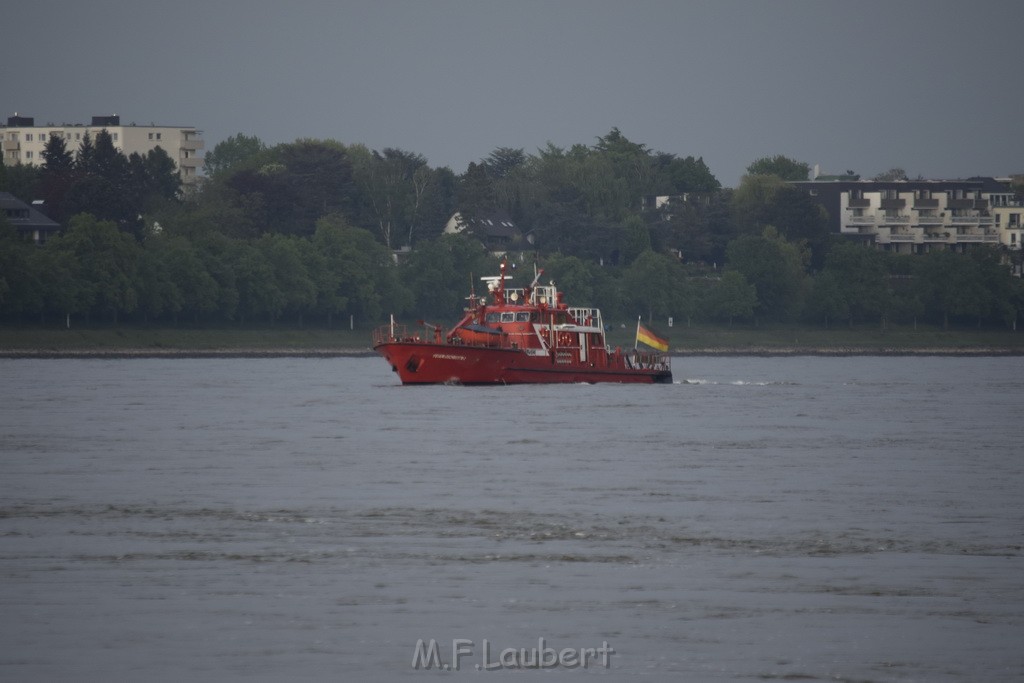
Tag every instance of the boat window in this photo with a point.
(523, 317)
(508, 317)
(493, 317)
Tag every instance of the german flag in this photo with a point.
(645, 336)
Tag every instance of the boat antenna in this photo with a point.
(472, 293)
(536, 276)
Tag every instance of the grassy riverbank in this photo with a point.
(29, 340)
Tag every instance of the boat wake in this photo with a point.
(739, 383)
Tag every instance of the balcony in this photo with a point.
(930, 220)
(894, 204)
(860, 220)
(11, 145)
(190, 162)
(858, 203)
(921, 203)
(899, 237)
(937, 238)
(895, 220)
(192, 144)
(966, 220)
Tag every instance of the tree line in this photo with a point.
(304, 232)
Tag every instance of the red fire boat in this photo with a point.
(521, 336)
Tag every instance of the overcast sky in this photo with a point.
(931, 86)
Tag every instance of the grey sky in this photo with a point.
(931, 86)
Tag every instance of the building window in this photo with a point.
(114, 136)
(28, 137)
(28, 154)
(158, 136)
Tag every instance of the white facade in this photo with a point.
(917, 216)
(24, 142)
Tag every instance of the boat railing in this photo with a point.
(390, 333)
(650, 360)
(587, 316)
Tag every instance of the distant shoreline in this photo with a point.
(114, 354)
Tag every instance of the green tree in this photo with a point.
(635, 238)
(18, 285)
(948, 284)
(503, 161)
(891, 175)
(475, 195)
(652, 284)
(107, 264)
(236, 151)
(731, 297)
(441, 272)
(259, 295)
(216, 254)
(997, 283)
(56, 176)
(827, 299)
(394, 189)
(62, 291)
(753, 200)
(290, 275)
(799, 218)
(157, 176)
(319, 176)
(863, 279)
(21, 180)
(157, 294)
(685, 175)
(700, 226)
(780, 166)
(101, 186)
(175, 280)
(775, 268)
(573, 276)
(366, 273)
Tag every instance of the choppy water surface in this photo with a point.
(852, 519)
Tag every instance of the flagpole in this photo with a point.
(636, 337)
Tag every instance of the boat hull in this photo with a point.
(418, 362)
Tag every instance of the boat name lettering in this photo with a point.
(449, 356)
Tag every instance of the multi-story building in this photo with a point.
(916, 216)
(24, 141)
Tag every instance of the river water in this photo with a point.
(818, 519)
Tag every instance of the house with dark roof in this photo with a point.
(495, 230)
(29, 222)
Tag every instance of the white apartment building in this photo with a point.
(916, 216)
(24, 141)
